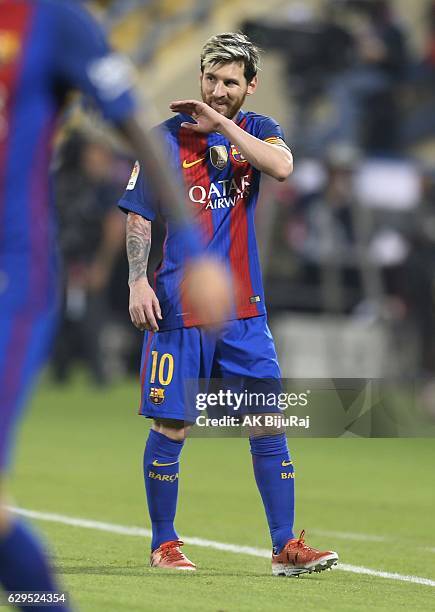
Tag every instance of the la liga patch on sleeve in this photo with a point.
(133, 178)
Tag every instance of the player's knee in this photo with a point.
(272, 426)
(173, 429)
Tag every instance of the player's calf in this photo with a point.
(161, 473)
(274, 475)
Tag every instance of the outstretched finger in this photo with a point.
(194, 127)
(184, 103)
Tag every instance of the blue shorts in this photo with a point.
(25, 339)
(178, 364)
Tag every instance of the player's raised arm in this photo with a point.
(272, 158)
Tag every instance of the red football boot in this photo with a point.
(169, 556)
(297, 558)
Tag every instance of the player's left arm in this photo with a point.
(274, 158)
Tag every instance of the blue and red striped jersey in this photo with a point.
(222, 188)
(47, 49)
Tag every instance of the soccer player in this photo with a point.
(220, 151)
(47, 49)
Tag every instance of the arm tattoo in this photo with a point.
(138, 246)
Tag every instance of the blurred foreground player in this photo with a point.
(221, 152)
(48, 48)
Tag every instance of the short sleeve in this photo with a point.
(137, 197)
(270, 131)
(84, 60)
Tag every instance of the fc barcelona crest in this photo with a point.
(219, 156)
(236, 155)
(157, 396)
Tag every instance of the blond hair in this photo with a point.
(231, 47)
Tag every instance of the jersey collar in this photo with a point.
(239, 118)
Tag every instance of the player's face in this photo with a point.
(224, 87)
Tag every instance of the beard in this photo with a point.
(227, 108)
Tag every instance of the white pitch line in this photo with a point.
(84, 523)
(233, 548)
(139, 531)
(390, 575)
(346, 535)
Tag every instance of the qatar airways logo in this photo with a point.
(222, 194)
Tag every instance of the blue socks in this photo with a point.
(23, 566)
(161, 467)
(273, 472)
(275, 480)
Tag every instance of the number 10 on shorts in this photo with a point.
(163, 367)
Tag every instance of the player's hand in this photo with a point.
(208, 291)
(144, 306)
(207, 119)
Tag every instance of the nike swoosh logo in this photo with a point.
(157, 464)
(187, 164)
(286, 463)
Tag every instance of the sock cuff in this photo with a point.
(269, 445)
(160, 444)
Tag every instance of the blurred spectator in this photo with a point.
(314, 48)
(364, 96)
(321, 231)
(419, 278)
(350, 250)
(428, 62)
(91, 231)
(419, 120)
(327, 214)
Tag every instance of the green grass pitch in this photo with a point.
(80, 455)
